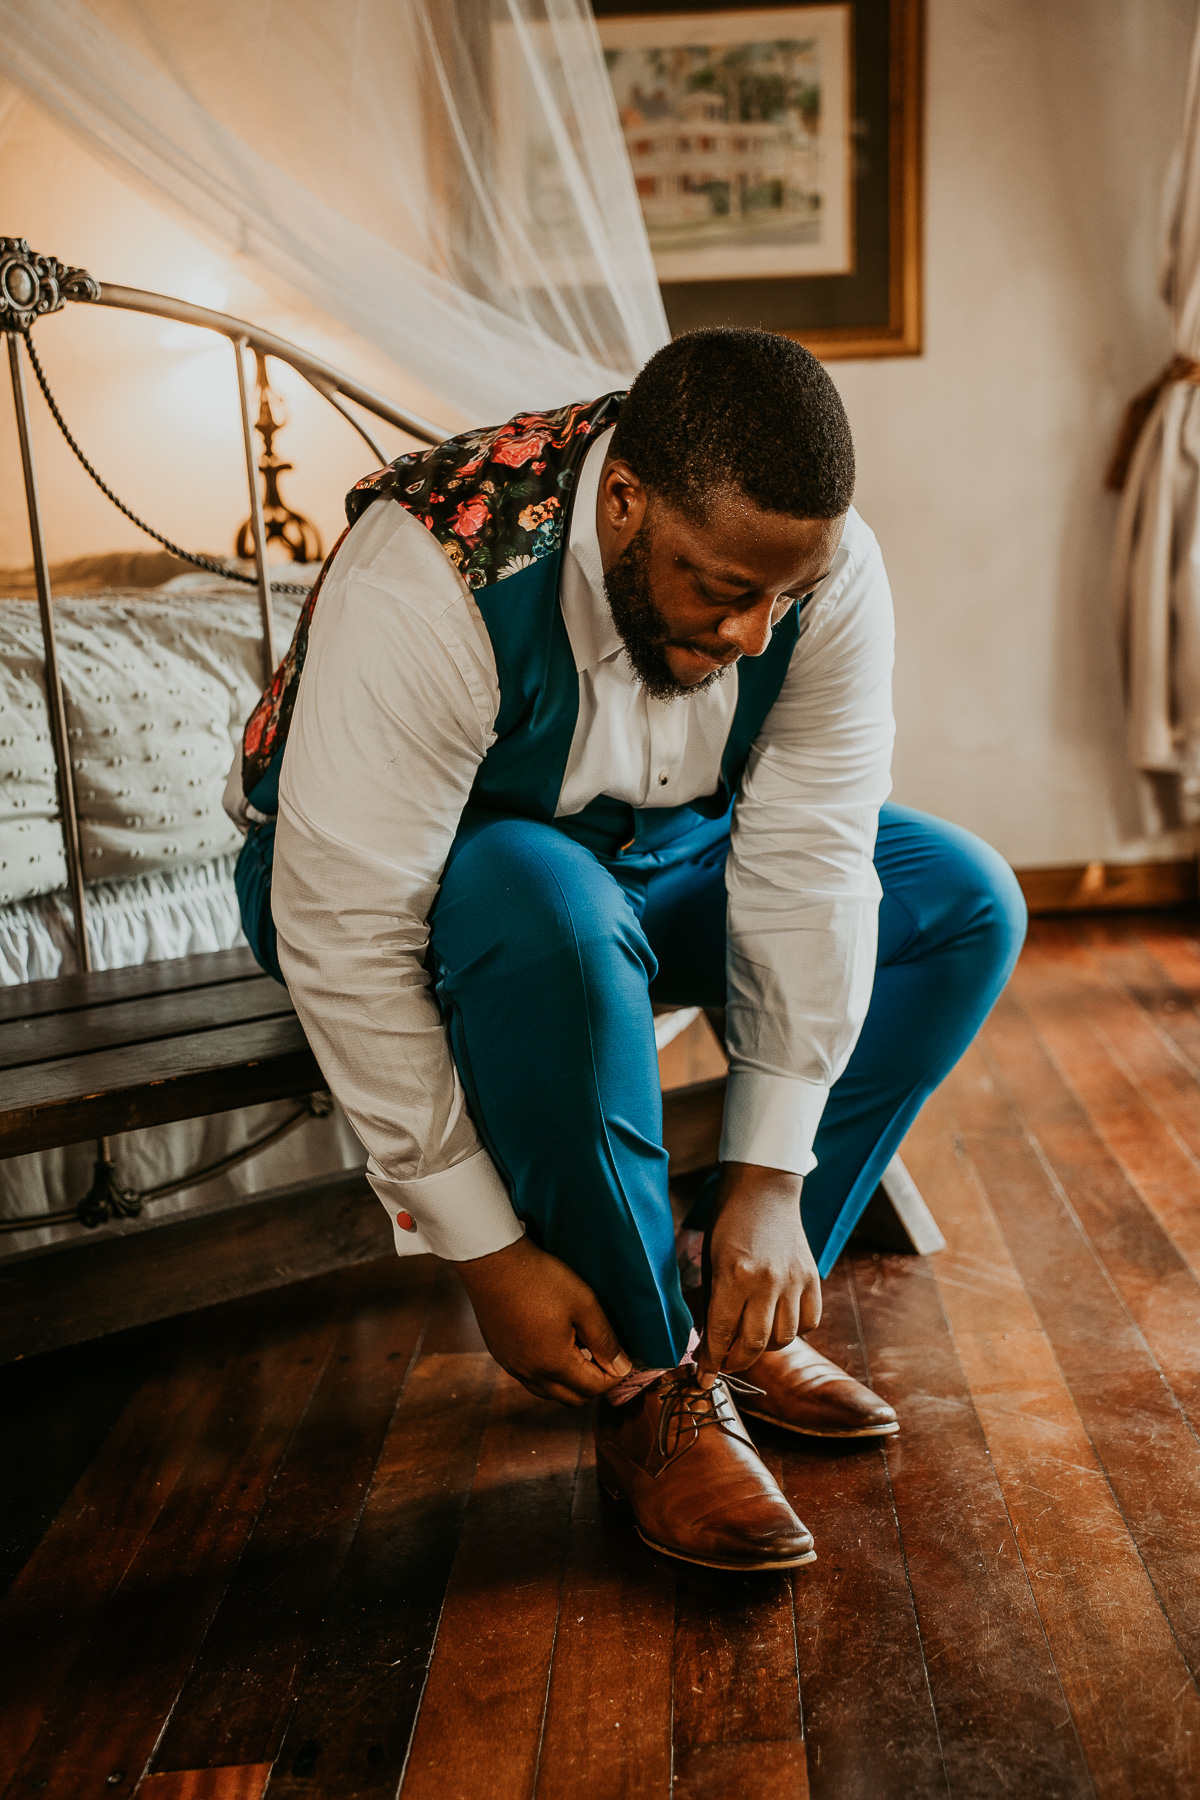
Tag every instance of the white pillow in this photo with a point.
(158, 688)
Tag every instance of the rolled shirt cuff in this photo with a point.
(771, 1120)
(459, 1214)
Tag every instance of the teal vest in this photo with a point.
(523, 771)
(499, 503)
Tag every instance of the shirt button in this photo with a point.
(663, 778)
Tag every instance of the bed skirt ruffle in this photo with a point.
(144, 919)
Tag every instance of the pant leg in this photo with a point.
(683, 908)
(543, 973)
(951, 925)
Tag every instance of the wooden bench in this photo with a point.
(88, 1056)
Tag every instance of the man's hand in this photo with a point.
(764, 1283)
(538, 1319)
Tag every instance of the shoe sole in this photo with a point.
(730, 1568)
(864, 1431)
(704, 1562)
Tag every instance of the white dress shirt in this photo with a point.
(395, 711)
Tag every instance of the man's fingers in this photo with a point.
(810, 1306)
(787, 1323)
(720, 1329)
(550, 1386)
(598, 1336)
(547, 1390)
(557, 1390)
(591, 1379)
(752, 1337)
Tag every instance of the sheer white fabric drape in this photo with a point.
(445, 177)
(1156, 566)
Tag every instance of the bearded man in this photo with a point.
(594, 711)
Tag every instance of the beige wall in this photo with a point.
(1049, 126)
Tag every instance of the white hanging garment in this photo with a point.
(445, 177)
(1156, 561)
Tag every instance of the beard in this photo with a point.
(641, 626)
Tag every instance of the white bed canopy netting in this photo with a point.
(447, 178)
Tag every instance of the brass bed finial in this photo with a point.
(282, 525)
(32, 285)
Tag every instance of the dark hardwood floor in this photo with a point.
(314, 1544)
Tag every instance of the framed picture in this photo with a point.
(777, 155)
(740, 139)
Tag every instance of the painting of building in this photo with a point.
(737, 126)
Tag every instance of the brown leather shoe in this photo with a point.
(698, 1487)
(803, 1391)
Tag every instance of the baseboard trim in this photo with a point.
(1110, 887)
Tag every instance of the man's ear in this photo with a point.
(621, 507)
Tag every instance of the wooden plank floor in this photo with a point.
(315, 1544)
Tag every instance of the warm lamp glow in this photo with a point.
(202, 387)
(200, 287)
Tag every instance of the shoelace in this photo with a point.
(681, 1396)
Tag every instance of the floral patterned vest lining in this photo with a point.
(498, 502)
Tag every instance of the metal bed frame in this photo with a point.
(31, 287)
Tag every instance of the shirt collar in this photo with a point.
(586, 612)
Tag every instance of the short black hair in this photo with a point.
(739, 409)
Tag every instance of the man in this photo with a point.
(595, 712)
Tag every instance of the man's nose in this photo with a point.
(748, 631)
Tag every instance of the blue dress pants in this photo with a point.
(547, 959)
